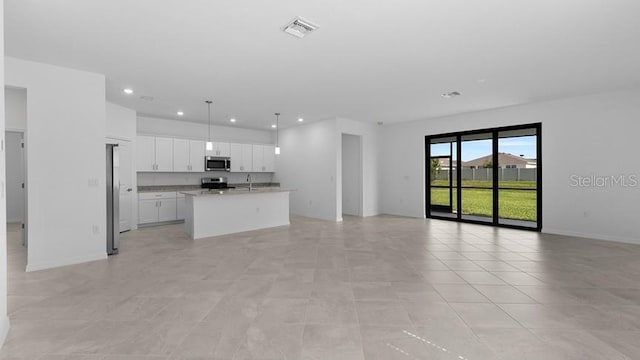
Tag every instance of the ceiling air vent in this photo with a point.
(300, 28)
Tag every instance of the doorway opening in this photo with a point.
(352, 175)
(16, 177)
(490, 176)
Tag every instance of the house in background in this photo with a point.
(505, 160)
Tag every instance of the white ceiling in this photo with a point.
(370, 60)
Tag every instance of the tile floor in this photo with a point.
(376, 288)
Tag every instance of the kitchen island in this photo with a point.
(220, 212)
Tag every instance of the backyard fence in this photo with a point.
(487, 174)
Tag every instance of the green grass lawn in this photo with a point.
(513, 204)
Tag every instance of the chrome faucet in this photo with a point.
(249, 181)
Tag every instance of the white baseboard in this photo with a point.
(48, 264)
(627, 240)
(4, 329)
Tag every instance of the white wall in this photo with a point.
(308, 163)
(583, 136)
(191, 130)
(65, 137)
(15, 171)
(15, 108)
(351, 175)
(121, 122)
(311, 163)
(4, 319)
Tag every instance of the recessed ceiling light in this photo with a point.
(300, 119)
(128, 91)
(273, 126)
(180, 113)
(232, 120)
(299, 27)
(451, 94)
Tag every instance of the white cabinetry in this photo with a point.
(154, 153)
(188, 155)
(185, 155)
(263, 158)
(145, 153)
(219, 149)
(156, 207)
(147, 211)
(181, 155)
(196, 155)
(241, 157)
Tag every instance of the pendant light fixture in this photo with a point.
(277, 126)
(209, 143)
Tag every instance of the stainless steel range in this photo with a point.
(216, 183)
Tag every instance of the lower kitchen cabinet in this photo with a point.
(167, 210)
(147, 211)
(156, 207)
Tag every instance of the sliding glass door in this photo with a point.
(489, 176)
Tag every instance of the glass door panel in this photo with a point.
(477, 177)
(442, 177)
(517, 180)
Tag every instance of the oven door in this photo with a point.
(215, 164)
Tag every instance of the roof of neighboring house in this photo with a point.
(503, 159)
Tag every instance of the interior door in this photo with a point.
(126, 184)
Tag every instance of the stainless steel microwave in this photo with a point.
(217, 163)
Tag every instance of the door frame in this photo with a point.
(25, 192)
(360, 171)
(442, 208)
(133, 220)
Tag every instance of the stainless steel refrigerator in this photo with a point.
(113, 199)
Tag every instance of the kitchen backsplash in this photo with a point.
(152, 178)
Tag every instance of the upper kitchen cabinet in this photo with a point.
(181, 159)
(264, 158)
(154, 153)
(241, 157)
(188, 155)
(220, 149)
(196, 155)
(269, 158)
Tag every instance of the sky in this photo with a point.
(523, 145)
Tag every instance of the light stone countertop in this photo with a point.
(237, 191)
(180, 188)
